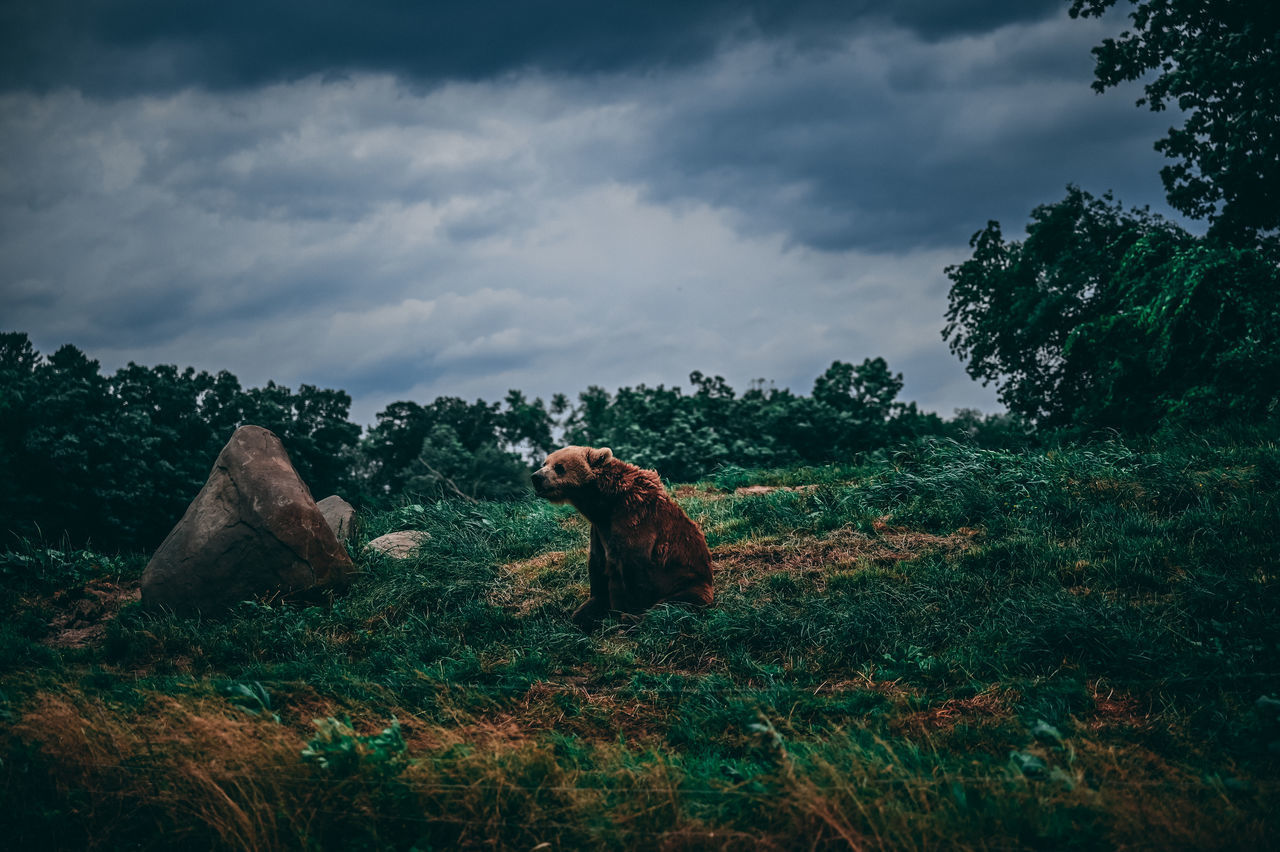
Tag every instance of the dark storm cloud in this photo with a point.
(123, 46)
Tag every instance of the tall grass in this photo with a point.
(944, 647)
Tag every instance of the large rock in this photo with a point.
(339, 515)
(252, 530)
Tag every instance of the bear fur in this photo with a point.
(644, 549)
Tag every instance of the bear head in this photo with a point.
(569, 471)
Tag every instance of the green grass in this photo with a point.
(941, 647)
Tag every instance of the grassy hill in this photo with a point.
(946, 647)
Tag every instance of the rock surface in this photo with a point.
(339, 515)
(398, 545)
(252, 530)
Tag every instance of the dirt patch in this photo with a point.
(299, 705)
(985, 709)
(751, 490)
(1116, 710)
(523, 586)
(83, 614)
(680, 492)
(499, 734)
(569, 707)
(745, 563)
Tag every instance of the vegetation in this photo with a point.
(114, 460)
(1073, 648)
(1107, 318)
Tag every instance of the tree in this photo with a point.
(170, 447)
(446, 467)
(686, 436)
(852, 406)
(390, 446)
(1219, 62)
(1014, 305)
(312, 424)
(526, 426)
(1106, 317)
(866, 391)
(590, 421)
(454, 448)
(1193, 339)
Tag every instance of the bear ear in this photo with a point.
(595, 458)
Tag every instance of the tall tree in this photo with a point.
(1219, 62)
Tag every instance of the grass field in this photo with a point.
(940, 648)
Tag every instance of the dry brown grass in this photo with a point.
(83, 613)
(212, 772)
(986, 709)
(746, 563)
(520, 587)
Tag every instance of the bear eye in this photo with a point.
(559, 468)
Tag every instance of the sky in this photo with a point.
(413, 199)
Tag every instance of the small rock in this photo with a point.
(1028, 764)
(339, 515)
(398, 545)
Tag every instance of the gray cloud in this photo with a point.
(892, 141)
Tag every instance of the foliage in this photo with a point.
(116, 459)
(338, 749)
(1218, 62)
(1106, 317)
(251, 697)
(455, 449)
(852, 409)
(31, 566)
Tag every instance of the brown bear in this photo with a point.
(644, 549)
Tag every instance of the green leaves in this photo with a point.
(116, 459)
(1106, 317)
(251, 697)
(339, 750)
(1219, 62)
(854, 408)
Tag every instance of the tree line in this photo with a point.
(114, 459)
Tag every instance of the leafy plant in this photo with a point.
(251, 697)
(339, 750)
